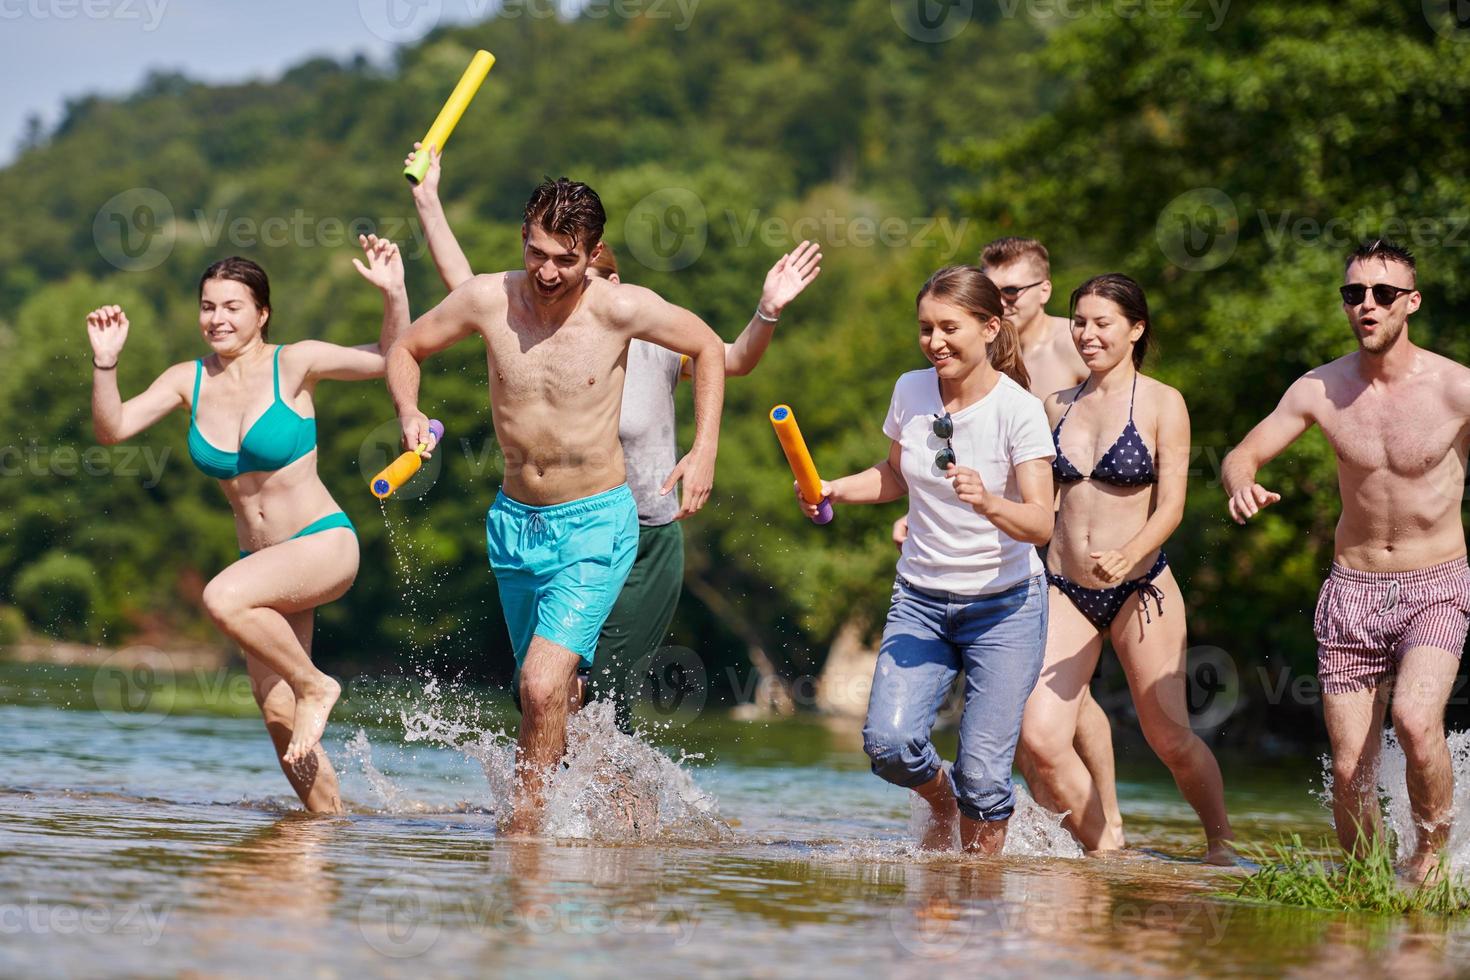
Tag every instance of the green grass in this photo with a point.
(1292, 874)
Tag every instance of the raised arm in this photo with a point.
(649, 317)
(458, 316)
(1292, 417)
(113, 419)
(1171, 458)
(444, 248)
(786, 280)
(384, 270)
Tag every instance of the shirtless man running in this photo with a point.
(563, 531)
(1392, 617)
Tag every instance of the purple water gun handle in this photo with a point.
(436, 428)
(824, 512)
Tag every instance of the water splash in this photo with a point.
(1034, 831)
(610, 786)
(1393, 794)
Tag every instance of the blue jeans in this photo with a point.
(999, 642)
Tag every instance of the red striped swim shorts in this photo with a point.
(1367, 621)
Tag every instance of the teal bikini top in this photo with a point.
(277, 439)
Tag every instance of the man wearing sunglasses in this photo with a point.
(1391, 619)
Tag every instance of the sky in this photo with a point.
(59, 49)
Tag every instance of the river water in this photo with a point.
(160, 842)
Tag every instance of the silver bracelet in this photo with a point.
(768, 319)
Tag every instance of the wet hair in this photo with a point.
(567, 208)
(972, 291)
(1128, 295)
(1004, 251)
(249, 275)
(1387, 251)
(604, 264)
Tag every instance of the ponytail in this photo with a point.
(972, 291)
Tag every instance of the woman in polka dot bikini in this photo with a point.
(1121, 465)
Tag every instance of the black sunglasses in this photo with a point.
(1012, 293)
(1383, 294)
(944, 429)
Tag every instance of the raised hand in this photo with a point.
(428, 188)
(791, 274)
(1245, 504)
(107, 329)
(384, 267)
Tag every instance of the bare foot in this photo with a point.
(943, 817)
(1424, 869)
(1222, 854)
(313, 704)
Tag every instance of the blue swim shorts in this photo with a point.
(560, 568)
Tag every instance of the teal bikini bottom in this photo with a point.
(338, 519)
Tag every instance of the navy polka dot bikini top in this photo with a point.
(1127, 463)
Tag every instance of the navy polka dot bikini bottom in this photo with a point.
(1101, 606)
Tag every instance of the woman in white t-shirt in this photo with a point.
(972, 450)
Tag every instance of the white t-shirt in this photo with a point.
(950, 547)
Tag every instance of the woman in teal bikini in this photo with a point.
(297, 549)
